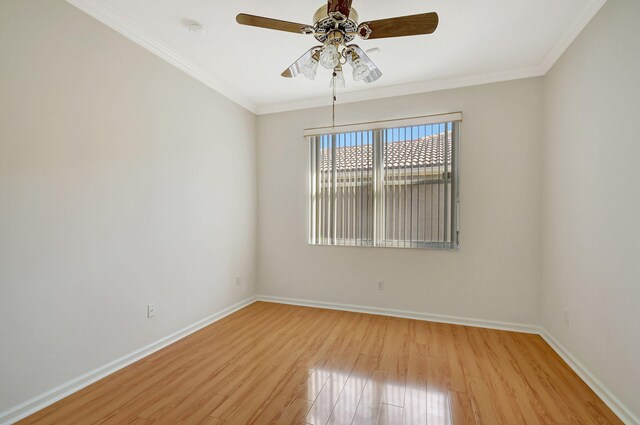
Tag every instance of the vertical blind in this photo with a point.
(394, 186)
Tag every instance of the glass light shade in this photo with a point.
(310, 68)
(360, 70)
(329, 58)
(337, 80)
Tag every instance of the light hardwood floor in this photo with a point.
(279, 364)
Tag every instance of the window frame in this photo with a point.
(377, 129)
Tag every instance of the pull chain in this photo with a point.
(333, 105)
(333, 110)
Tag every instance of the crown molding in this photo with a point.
(129, 30)
(571, 32)
(400, 90)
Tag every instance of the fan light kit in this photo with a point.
(335, 26)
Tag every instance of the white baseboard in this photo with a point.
(600, 389)
(622, 411)
(454, 320)
(43, 400)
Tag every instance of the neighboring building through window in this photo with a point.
(391, 186)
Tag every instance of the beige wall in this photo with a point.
(125, 182)
(591, 250)
(496, 273)
(122, 182)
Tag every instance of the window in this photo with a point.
(386, 184)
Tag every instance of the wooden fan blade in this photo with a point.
(402, 26)
(375, 72)
(342, 6)
(272, 24)
(294, 69)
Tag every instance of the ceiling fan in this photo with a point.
(335, 25)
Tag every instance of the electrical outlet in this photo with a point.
(237, 281)
(151, 310)
(381, 285)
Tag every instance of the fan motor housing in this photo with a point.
(325, 24)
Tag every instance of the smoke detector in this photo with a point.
(197, 29)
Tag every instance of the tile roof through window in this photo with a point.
(426, 151)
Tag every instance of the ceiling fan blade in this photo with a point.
(273, 24)
(294, 69)
(375, 72)
(424, 23)
(342, 6)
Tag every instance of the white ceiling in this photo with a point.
(476, 42)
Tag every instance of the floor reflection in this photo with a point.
(357, 397)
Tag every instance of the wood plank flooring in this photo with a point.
(280, 364)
